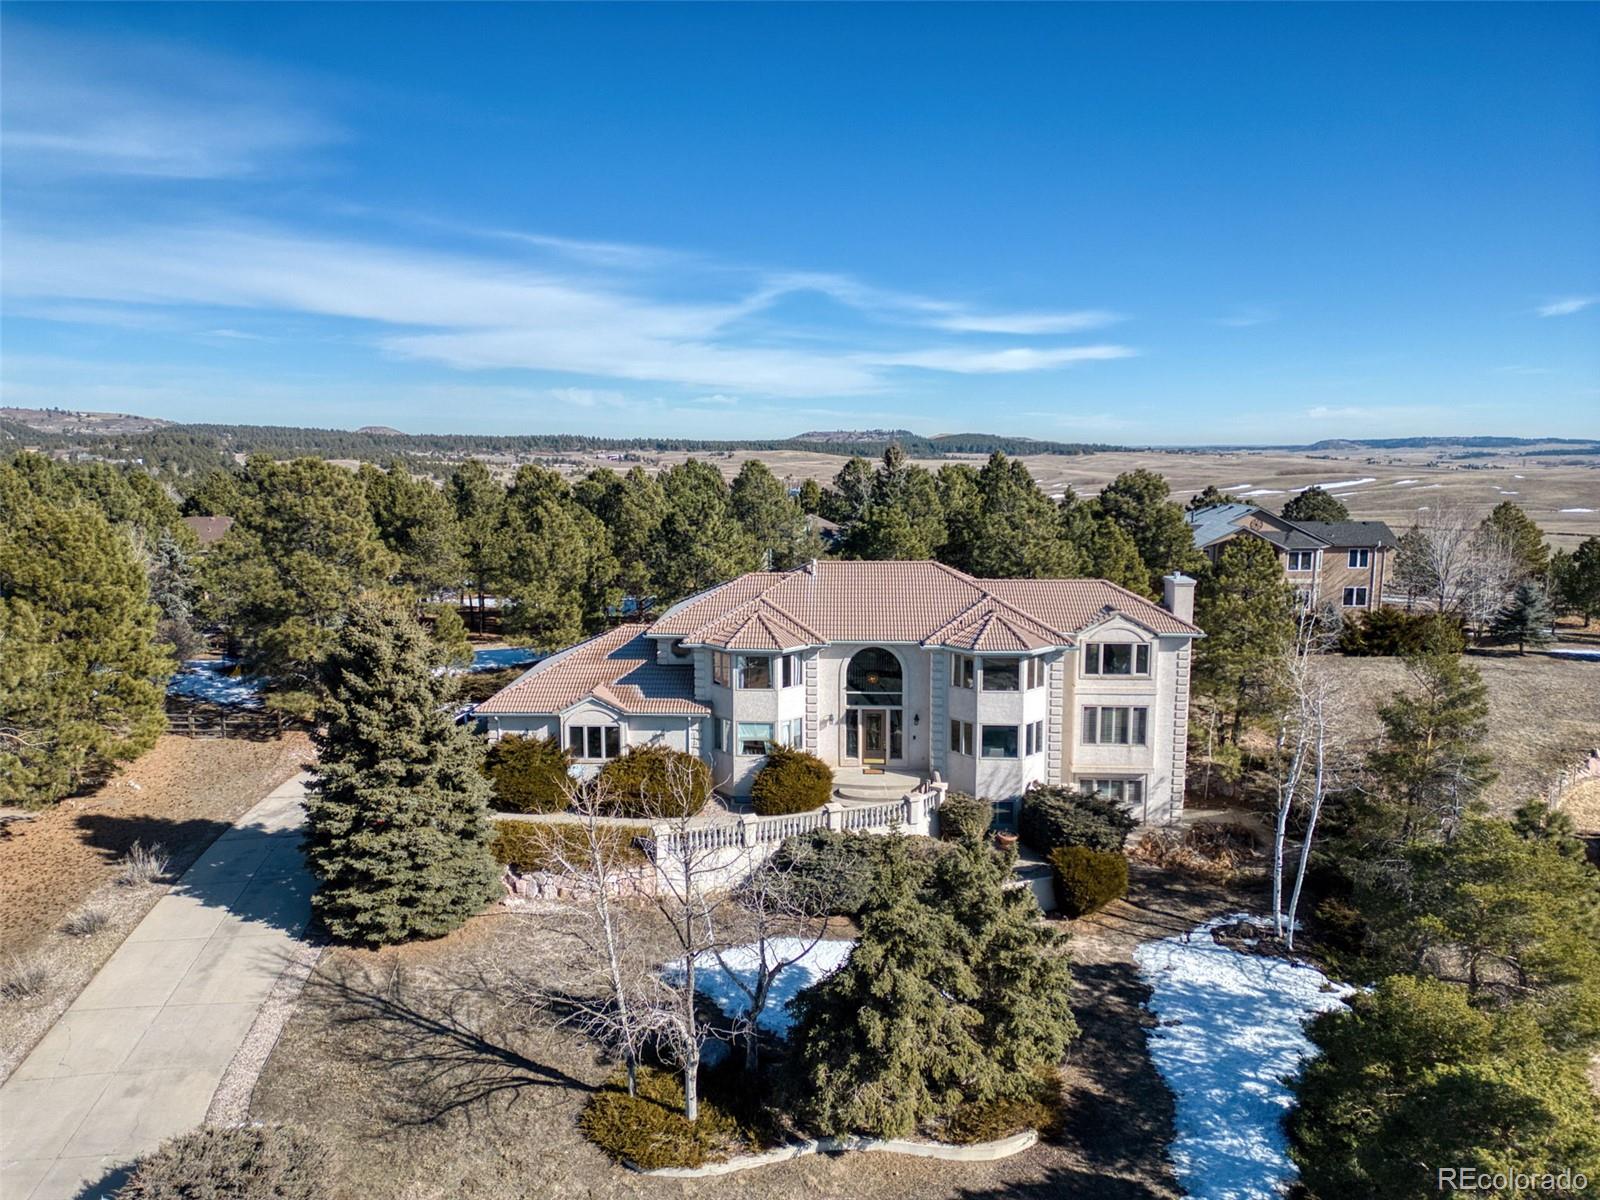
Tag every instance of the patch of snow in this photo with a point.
(1231, 1029)
(1577, 510)
(1588, 655)
(1344, 483)
(1519, 477)
(715, 980)
(209, 679)
(500, 659)
(1234, 487)
(1263, 492)
(1401, 482)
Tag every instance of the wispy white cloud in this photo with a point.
(1565, 306)
(1026, 323)
(476, 312)
(1244, 318)
(78, 106)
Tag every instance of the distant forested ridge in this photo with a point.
(186, 448)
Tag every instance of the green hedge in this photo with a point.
(649, 1129)
(254, 1162)
(539, 845)
(1391, 632)
(1088, 880)
(792, 781)
(652, 782)
(1057, 816)
(964, 818)
(530, 774)
(833, 873)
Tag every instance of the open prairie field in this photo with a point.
(1561, 493)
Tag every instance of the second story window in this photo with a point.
(962, 670)
(1035, 673)
(753, 671)
(1302, 560)
(1115, 726)
(1360, 558)
(1116, 658)
(1002, 675)
(793, 675)
(721, 668)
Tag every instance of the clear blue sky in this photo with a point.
(1135, 223)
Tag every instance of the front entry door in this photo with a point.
(874, 737)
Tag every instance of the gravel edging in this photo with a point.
(230, 1103)
(975, 1152)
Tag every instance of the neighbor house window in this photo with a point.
(961, 737)
(755, 737)
(1115, 726)
(792, 733)
(594, 741)
(1116, 658)
(791, 670)
(1126, 791)
(1035, 737)
(961, 670)
(999, 741)
(1355, 597)
(1302, 560)
(1002, 675)
(721, 668)
(1035, 673)
(722, 735)
(1360, 558)
(754, 671)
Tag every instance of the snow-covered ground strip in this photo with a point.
(1577, 510)
(1231, 1031)
(208, 679)
(1588, 655)
(715, 980)
(1234, 487)
(1341, 483)
(1262, 492)
(1401, 482)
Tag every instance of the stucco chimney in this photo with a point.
(811, 567)
(1177, 596)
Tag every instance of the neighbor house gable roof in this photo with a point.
(920, 602)
(618, 668)
(1219, 522)
(1341, 534)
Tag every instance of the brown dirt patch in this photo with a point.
(430, 1087)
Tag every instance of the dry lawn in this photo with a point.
(1544, 714)
(429, 1088)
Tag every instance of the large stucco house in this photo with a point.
(1343, 563)
(908, 668)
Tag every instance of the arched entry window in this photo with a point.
(874, 693)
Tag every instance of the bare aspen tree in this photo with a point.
(1325, 708)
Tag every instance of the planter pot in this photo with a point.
(1006, 841)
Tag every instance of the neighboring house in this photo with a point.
(1345, 563)
(905, 667)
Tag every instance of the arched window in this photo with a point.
(873, 680)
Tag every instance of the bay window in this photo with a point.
(1002, 674)
(999, 741)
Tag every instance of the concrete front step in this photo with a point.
(858, 785)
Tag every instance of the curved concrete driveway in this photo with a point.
(137, 1056)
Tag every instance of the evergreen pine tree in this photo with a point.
(1210, 496)
(811, 498)
(480, 504)
(1138, 501)
(761, 503)
(1247, 611)
(852, 490)
(560, 574)
(1011, 530)
(1526, 618)
(172, 592)
(397, 828)
(1315, 504)
(82, 679)
(417, 522)
(1508, 523)
(701, 543)
(631, 507)
(1579, 580)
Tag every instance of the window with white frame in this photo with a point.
(1116, 658)
(1302, 560)
(594, 742)
(1126, 791)
(755, 737)
(1000, 741)
(1360, 558)
(792, 733)
(1035, 737)
(961, 737)
(1355, 597)
(722, 735)
(1115, 725)
(1002, 674)
(721, 668)
(792, 676)
(752, 671)
(1036, 673)
(961, 670)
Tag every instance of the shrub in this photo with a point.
(22, 978)
(964, 818)
(86, 923)
(656, 781)
(1087, 880)
(529, 774)
(833, 873)
(1206, 850)
(1392, 632)
(1053, 817)
(649, 1130)
(539, 846)
(1040, 1109)
(143, 864)
(792, 781)
(249, 1162)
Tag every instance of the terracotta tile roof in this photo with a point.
(618, 668)
(924, 602)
